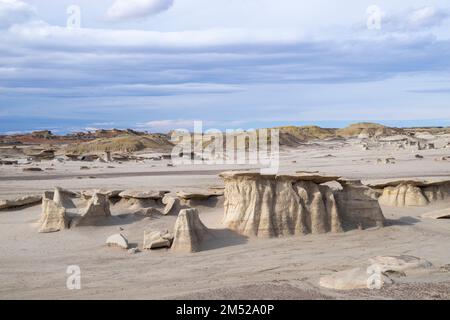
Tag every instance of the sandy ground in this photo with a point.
(231, 266)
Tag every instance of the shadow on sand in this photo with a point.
(221, 238)
(403, 221)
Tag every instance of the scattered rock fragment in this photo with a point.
(157, 240)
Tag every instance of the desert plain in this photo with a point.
(410, 241)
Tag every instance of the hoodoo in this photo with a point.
(282, 205)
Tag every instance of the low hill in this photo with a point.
(123, 143)
(367, 129)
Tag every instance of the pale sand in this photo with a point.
(33, 265)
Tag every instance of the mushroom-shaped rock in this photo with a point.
(117, 240)
(189, 232)
(157, 240)
(96, 210)
(53, 217)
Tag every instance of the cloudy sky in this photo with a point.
(160, 64)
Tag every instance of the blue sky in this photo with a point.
(160, 64)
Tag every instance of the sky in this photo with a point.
(158, 65)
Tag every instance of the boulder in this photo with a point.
(53, 217)
(189, 232)
(96, 210)
(157, 240)
(19, 202)
(117, 240)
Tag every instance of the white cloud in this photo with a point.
(13, 12)
(427, 17)
(135, 9)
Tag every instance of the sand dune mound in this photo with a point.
(189, 232)
(272, 206)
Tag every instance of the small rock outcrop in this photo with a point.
(117, 240)
(189, 232)
(53, 217)
(296, 204)
(20, 202)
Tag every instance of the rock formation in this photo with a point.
(404, 193)
(358, 205)
(135, 201)
(297, 204)
(19, 202)
(53, 217)
(189, 232)
(96, 210)
(172, 204)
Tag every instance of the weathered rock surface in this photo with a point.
(96, 210)
(282, 205)
(358, 205)
(135, 194)
(172, 205)
(157, 240)
(117, 240)
(19, 202)
(53, 216)
(111, 193)
(189, 232)
(405, 193)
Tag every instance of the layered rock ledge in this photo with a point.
(296, 204)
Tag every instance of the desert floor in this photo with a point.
(33, 265)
